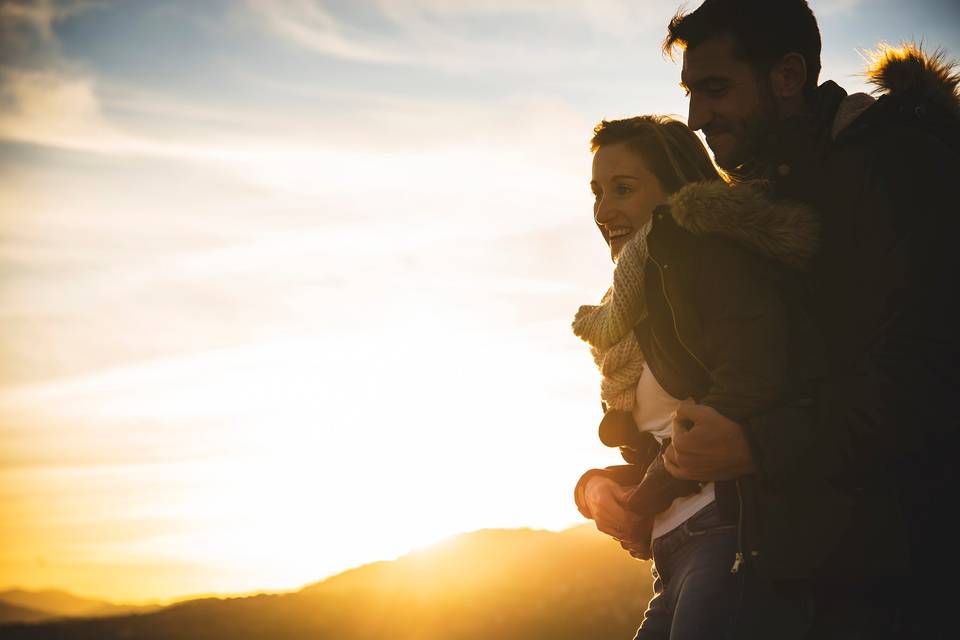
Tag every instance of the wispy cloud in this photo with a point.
(48, 108)
(454, 35)
(311, 25)
(44, 97)
(38, 16)
(27, 28)
(617, 18)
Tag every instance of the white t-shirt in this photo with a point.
(653, 412)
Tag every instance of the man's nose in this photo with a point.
(698, 115)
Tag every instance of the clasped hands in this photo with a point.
(607, 503)
(714, 448)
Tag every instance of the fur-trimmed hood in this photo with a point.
(931, 80)
(782, 231)
(907, 69)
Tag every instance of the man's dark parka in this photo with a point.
(883, 290)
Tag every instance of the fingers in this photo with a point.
(690, 410)
(605, 497)
(620, 531)
(613, 527)
(610, 528)
(640, 552)
(622, 494)
(638, 541)
(685, 418)
(670, 458)
(685, 438)
(610, 512)
(673, 464)
(626, 527)
(640, 547)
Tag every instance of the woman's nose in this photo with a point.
(601, 212)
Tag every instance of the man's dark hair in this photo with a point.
(764, 31)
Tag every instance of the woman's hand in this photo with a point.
(607, 503)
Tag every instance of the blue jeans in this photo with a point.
(696, 597)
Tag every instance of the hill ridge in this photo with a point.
(503, 583)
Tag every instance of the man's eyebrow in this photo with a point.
(700, 83)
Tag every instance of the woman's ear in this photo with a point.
(788, 77)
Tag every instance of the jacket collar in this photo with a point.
(783, 231)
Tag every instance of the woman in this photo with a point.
(701, 309)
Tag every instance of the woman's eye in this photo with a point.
(623, 189)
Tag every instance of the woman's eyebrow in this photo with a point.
(619, 176)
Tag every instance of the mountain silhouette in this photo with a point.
(495, 583)
(13, 613)
(55, 603)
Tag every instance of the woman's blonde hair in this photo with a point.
(672, 152)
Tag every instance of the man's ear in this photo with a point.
(788, 77)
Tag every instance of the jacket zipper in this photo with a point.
(673, 316)
(738, 556)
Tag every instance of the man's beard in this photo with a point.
(748, 159)
(757, 135)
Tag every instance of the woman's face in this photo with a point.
(625, 192)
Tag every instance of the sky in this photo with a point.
(286, 285)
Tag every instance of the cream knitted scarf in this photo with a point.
(608, 326)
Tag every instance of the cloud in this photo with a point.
(27, 28)
(444, 34)
(310, 25)
(63, 109)
(45, 107)
(45, 98)
(38, 16)
(618, 18)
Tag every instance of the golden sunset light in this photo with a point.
(288, 285)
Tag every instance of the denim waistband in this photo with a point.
(703, 522)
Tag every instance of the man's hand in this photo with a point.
(607, 502)
(713, 449)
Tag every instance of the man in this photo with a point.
(879, 175)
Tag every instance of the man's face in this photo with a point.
(727, 100)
